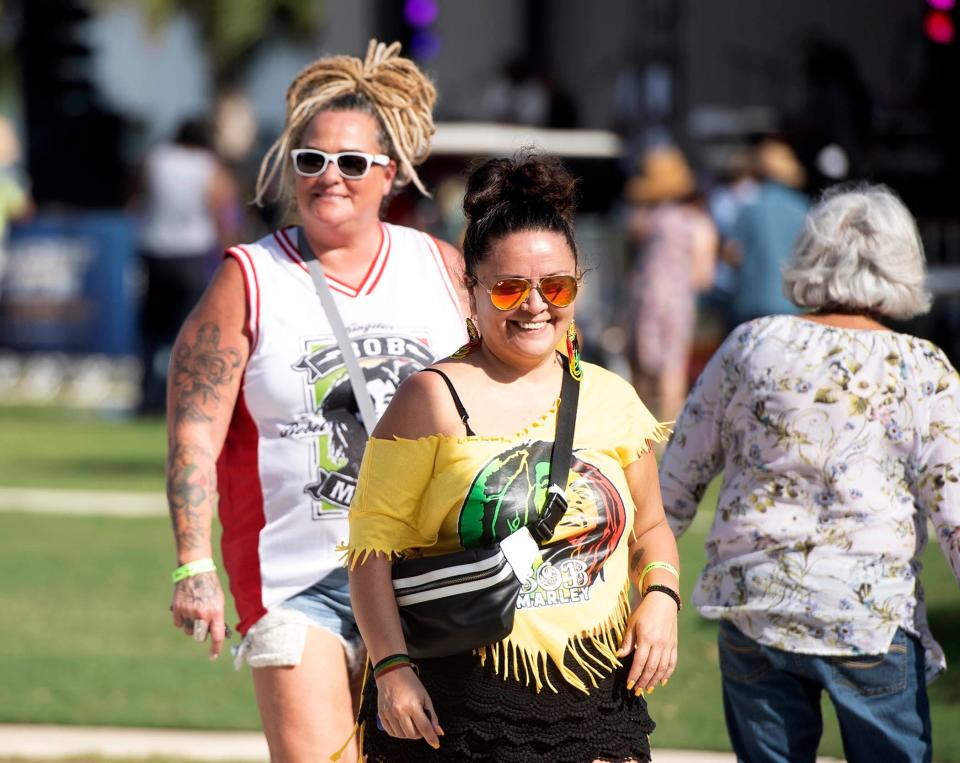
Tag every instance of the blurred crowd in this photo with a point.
(699, 257)
(816, 420)
(693, 254)
(15, 202)
(727, 244)
(684, 253)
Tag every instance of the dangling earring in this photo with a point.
(473, 340)
(573, 352)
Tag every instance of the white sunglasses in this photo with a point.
(353, 165)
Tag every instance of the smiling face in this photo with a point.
(329, 200)
(528, 334)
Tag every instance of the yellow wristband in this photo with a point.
(195, 567)
(657, 566)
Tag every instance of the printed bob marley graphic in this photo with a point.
(335, 424)
(510, 491)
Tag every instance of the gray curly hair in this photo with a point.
(859, 250)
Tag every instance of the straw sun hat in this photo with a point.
(664, 176)
(776, 161)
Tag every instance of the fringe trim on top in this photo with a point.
(595, 652)
(660, 433)
(351, 557)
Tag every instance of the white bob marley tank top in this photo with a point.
(288, 469)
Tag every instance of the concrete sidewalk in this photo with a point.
(71, 741)
(94, 502)
(65, 741)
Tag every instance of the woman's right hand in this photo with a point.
(197, 608)
(405, 708)
(206, 371)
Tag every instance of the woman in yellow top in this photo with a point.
(462, 465)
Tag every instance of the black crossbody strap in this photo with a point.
(357, 380)
(556, 505)
(464, 416)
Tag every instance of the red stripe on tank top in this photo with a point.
(287, 245)
(288, 249)
(241, 513)
(241, 255)
(382, 256)
(370, 278)
(256, 281)
(379, 259)
(445, 275)
(237, 255)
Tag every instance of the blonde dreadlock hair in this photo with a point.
(384, 84)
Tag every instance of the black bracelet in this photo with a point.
(668, 591)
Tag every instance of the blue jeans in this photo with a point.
(771, 700)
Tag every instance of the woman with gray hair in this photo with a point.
(838, 439)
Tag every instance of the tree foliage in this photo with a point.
(232, 30)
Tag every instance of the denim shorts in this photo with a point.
(278, 638)
(327, 604)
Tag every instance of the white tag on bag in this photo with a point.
(522, 553)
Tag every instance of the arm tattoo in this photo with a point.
(199, 372)
(636, 558)
(191, 489)
(198, 590)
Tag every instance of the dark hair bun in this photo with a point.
(527, 180)
(505, 196)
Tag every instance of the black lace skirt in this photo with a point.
(487, 718)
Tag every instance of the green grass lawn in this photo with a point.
(89, 638)
(55, 448)
(85, 603)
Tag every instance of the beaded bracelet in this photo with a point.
(657, 566)
(668, 591)
(391, 663)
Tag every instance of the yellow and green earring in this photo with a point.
(473, 340)
(573, 352)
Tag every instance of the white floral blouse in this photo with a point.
(836, 445)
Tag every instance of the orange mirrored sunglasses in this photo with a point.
(508, 293)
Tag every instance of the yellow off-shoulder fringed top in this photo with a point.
(440, 494)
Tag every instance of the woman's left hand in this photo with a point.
(652, 637)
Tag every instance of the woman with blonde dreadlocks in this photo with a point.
(261, 408)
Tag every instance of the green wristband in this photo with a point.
(196, 567)
(657, 566)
